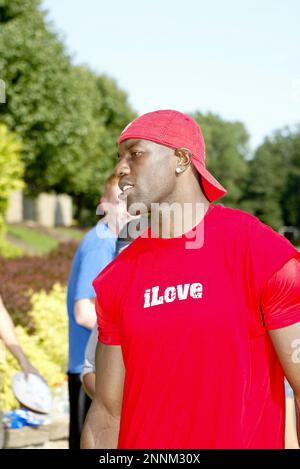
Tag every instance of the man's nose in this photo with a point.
(122, 168)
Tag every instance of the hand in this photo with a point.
(27, 368)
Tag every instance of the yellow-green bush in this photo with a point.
(50, 323)
(11, 168)
(46, 349)
(9, 250)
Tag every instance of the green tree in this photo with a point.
(47, 103)
(226, 153)
(290, 201)
(271, 192)
(114, 113)
(67, 116)
(10, 9)
(11, 169)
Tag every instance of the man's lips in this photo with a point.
(126, 188)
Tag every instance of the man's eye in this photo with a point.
(136, 153)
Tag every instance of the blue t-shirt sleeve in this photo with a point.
(92, 263)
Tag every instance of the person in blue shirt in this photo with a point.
(96, 250)
(126, 236)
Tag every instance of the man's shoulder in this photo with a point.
(236, 216)
(243, 227)
(254, 233)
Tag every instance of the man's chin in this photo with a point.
(136, 207)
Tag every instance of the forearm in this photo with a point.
(101, 429)
(89, 384)
(85, 314)
(7, 328)
(8, 335)
(18, 353)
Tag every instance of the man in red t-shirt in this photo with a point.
(199, 318)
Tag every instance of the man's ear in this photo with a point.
(184, 158)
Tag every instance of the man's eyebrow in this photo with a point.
(133, 144)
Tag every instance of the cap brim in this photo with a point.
(212, 188)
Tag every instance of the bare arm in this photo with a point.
(8, 335)
(286, 341)
(102, 424)
(88, 373)
(84, 312)
(89, 384)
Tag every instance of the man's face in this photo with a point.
(148, 169)
(117, 207)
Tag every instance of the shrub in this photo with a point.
(9, 250)
(50, 320)
(11, 168)
(26, 274)
(46, 349)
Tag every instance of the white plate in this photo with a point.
(32, 393)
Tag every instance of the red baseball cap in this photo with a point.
(176, 130)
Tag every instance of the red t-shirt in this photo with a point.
(201, 371)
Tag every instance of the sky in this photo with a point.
(238, 59)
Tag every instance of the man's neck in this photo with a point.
(172, 219)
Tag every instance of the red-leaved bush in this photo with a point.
(21, 274)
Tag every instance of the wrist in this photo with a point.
(23, 362)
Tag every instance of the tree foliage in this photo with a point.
(67, 116)
(11, 168)
(273, 188)
(226, 152)
(69, 119)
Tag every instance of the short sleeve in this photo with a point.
(107, 319)
(280, 302)
(268, 252)
(92, 263)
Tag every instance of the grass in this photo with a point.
(9, 250)
(39, 242)
(71, 232)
